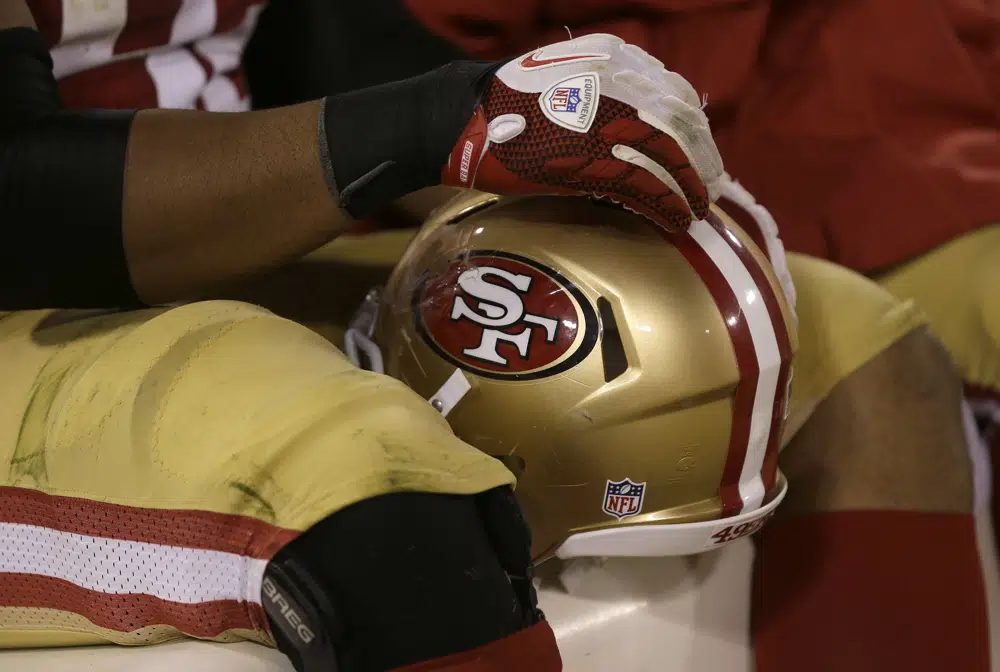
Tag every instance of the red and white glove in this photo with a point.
(592, 115)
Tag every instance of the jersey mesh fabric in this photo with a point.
(142, 575)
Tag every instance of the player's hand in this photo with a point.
(592, 115)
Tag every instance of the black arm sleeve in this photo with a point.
(61, 181)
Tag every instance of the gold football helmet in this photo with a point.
(635, 381)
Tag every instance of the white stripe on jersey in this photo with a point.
(221, 95)
(90, 29)
(225, 50)
(118, 567)
(178, 77)
(195, 20)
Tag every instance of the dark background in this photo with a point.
(307, 49)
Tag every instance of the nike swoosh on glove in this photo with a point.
(592, 115)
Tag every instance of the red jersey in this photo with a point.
(149, 53)
(868, 128)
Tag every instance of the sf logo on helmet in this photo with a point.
(496, 308)
(504, 316)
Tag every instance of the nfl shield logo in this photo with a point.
(623, 499)
(564, 99)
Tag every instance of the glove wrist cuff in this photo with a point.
(381, 143)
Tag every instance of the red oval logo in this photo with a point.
(500, 315)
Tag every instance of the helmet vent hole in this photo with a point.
(515, 463)
(612, 348)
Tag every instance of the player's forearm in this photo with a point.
(205, 197)
(212, 197)
(112, 209)
(209, 198)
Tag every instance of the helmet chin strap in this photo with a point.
(354, 341)
(452, 392)
(358, 340)
(358, 337)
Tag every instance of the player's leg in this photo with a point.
(218, 472)
(871, 562)
(957, 286)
